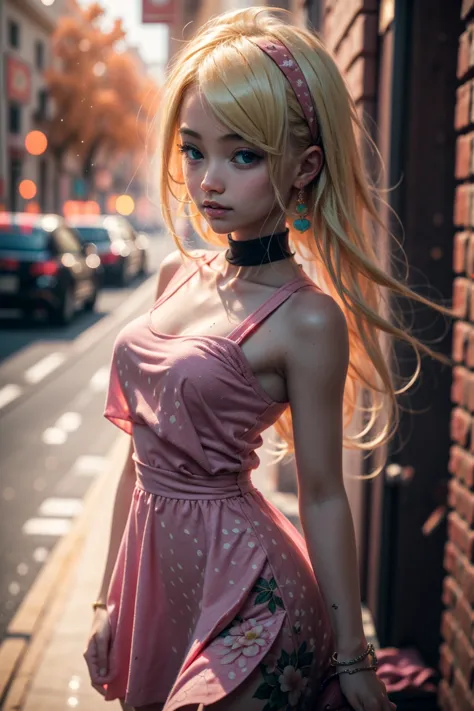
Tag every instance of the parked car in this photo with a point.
(44, 264)
(122, 251)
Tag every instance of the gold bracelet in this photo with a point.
(101, 605)
(370, 650)
(372, 667)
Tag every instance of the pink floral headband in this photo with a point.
(283, 58)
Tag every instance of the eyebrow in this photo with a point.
(225, 137)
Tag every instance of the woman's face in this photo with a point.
(221, 167)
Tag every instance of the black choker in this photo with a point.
(254, 252)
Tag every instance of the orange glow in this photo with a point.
(33, 208)
(124, 205)
(36, 143)
(80, 207)
(110, 204)
(27, 189)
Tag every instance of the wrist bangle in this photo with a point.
(97, 604)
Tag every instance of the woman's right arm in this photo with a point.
(168, 268)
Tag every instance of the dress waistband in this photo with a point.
(176, 485)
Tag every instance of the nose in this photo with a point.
(211, 182)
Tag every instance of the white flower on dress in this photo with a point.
(245, 639)
(293, 681)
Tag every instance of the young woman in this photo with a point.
(210, 598)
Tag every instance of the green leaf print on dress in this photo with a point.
(285, 679)
(266, 590)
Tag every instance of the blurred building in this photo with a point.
(26, 27)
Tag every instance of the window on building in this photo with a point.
(42, 105)
(14, 118)
(15, 170)
(39, 54)
(14, 34)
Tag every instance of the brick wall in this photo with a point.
(349, 29)
(456, 689)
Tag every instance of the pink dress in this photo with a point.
(211, 580)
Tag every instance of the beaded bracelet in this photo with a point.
(370, 650)
(372, 667)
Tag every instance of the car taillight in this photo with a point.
(109, 258)
(48, 268)
(9, 264)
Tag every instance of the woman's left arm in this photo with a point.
(316, 364)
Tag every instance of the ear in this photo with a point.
(310, 164)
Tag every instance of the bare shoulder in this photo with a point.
(172, 263)
(317, 333)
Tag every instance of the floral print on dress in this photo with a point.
(244, 639)
(285, 679)
(267, 592)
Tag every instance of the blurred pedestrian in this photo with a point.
(210, 597)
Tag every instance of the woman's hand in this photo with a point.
(97, 651)
(365, 691)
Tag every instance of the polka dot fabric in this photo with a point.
(211, 581)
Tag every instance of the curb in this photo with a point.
(32, 626)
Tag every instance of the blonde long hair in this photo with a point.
(250, 95)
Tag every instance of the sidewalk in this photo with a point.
(52, 675)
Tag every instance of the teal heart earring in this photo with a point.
(301, 223)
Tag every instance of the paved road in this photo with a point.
(53, 436)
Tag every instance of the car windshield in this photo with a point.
(23, 237)
(92, 234)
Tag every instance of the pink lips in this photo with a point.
(216, 211)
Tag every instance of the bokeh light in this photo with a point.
(36, 143)
(27, 189)
(124, 205)
(48, 2)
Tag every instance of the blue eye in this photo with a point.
(252, 157)
(185, 149)
(193, 154)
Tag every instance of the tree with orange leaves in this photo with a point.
(102, 101)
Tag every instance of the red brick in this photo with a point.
(446, 662)
(469, 265)
(470, 348)
(461, 693)
(462, 499)
(462, 206)
(468, 587)
(461, 242)
(461, 332)
(465, 504)
(463, 106)
(466, 469)
(449, 628)
(461, 293)
(445, 696)
(466, 8)
(460, 425)
(458, 384)
(361, 40)
(464, 655)
(468, 391)
(463, 54)
(451, 557)
(451, 591)
(464, 616)
(463, 156)
(361, 79)
(338, 21)
(461, 535)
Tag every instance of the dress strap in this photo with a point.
(271, 304)
(179, 279)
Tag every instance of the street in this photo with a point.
(53, 435)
